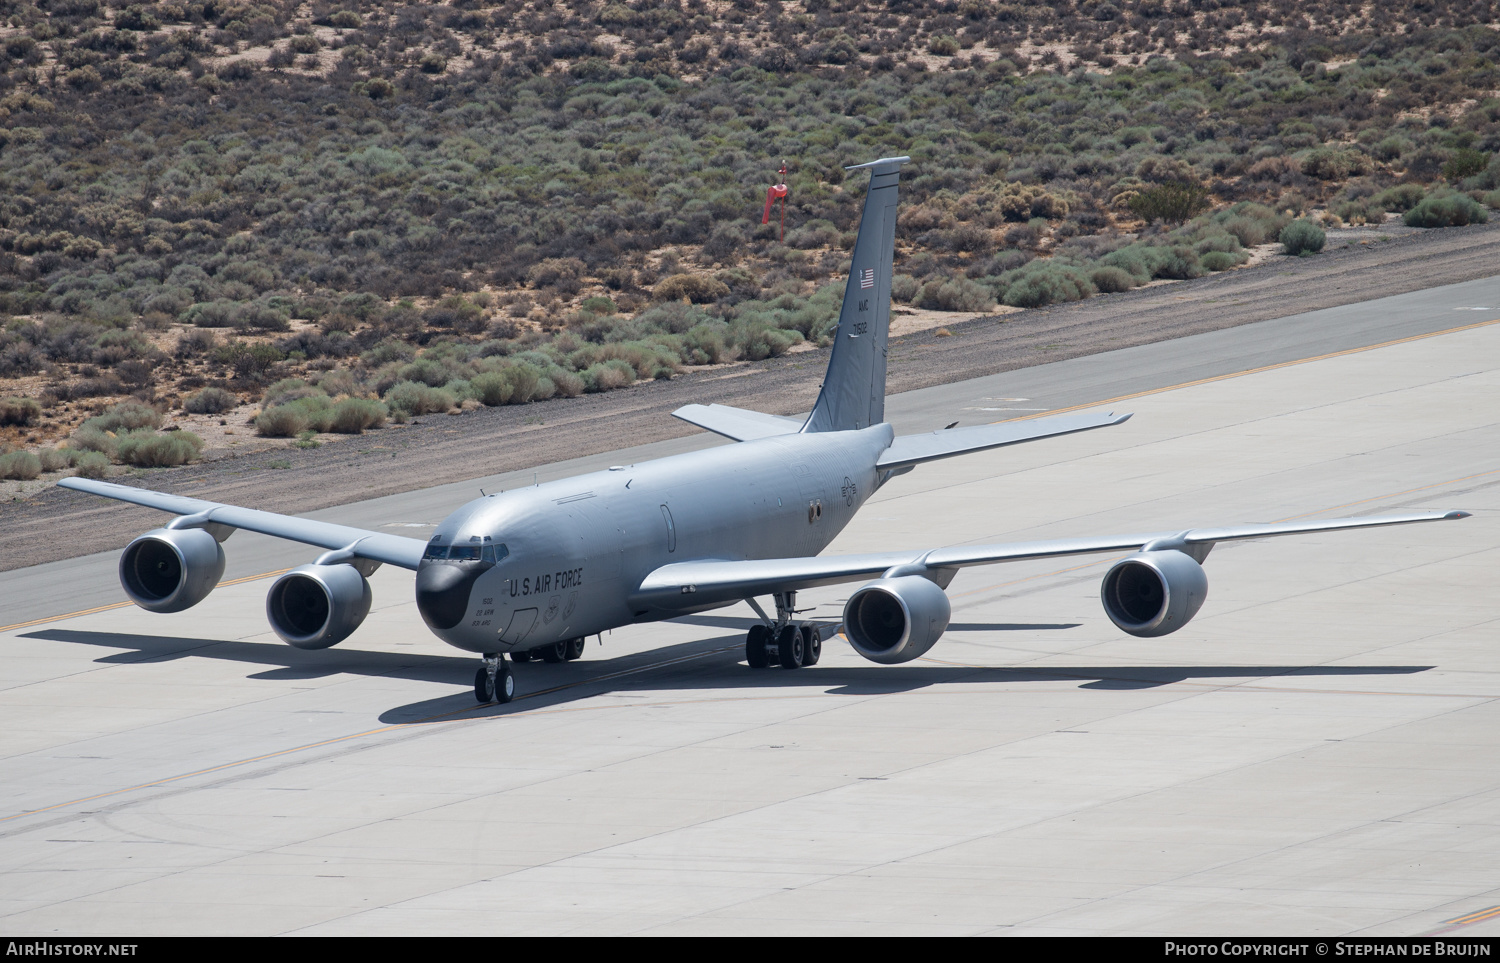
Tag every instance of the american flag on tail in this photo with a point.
(867, 278)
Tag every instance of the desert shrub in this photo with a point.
(89, 464)
(1465, 162)
(88, 438)
(553, 270)
(1045, 282)
(212, 314)
(1302, 237)
(20, 466)
(19, 411)
(1334, 163)
(193, 343)
(607, 376)
(415, 398)
(955, 294)
(1491, 200)
(1364, 211)
(352, 416)
(567, 384)
(904, 288)
(210, 401)
(942, 45)
(1173, 202)
(1400, 198)
(126, 416)
(281, 421)
(258, 317)
(1111, 280)
(53, 459)
(697, 288)
(1219, 260)
(1446, 209)
(599, 304)
(150, 449)
(491, 388)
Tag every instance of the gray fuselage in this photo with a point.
(563, 558)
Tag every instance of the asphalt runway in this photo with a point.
(1314, 755)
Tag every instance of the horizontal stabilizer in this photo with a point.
(683, 585)
(395, 550)
(914, 449)
(737, 423)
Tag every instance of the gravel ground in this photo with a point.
(1358, 265)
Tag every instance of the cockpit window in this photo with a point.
(472, 552)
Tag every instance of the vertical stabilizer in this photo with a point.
(853, 393)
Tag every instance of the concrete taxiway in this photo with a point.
(1314, 754)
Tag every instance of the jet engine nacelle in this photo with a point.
(893, 620)
(1154, 593)
(315, 606)
(171, 569)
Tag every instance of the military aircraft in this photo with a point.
(533, 572)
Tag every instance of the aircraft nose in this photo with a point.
(443, 592)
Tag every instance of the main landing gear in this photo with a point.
(568, 650)
(494, 681)
(791, 645)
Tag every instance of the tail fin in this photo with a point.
(853, 393)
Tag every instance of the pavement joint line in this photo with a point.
(1251, 371)
(428, 720)
(1219, 686)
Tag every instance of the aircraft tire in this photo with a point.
(554, 653)
(790, 650)
(520, 655)
(812, 644)
(503, 690)
(755, 647)
(575, 648)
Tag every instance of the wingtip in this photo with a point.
(1457, 514)
(1121, 419)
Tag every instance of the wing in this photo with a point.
(737, 423)
(696, 584)
(377, 546)
(911, 450)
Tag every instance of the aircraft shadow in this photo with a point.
(830, 628)
(712, 664)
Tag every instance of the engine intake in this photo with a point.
(1153, 593)
(893, 620)
(316, 606)
(168, 570)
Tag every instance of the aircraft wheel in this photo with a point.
(755, 647)
(501, 690)
(789, 647)
(812, 644)
(575, 648)
(554, 653)
(522, 655)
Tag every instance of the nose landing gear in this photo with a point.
(494, 681)
(791, 645)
